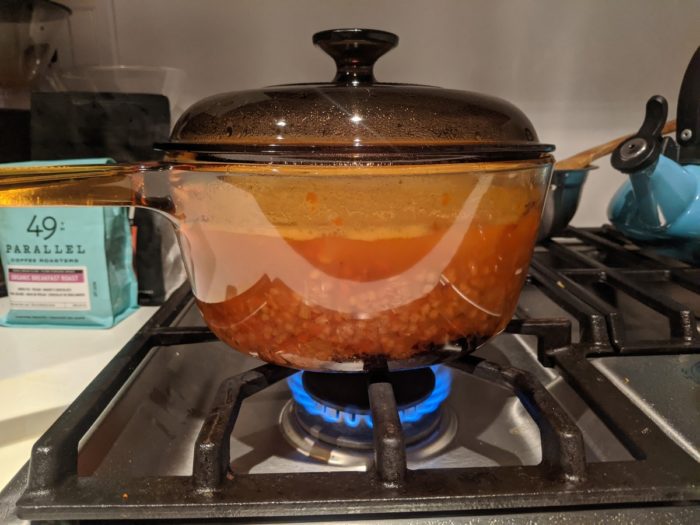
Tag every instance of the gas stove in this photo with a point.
(586, 408)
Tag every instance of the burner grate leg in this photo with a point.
(563, 452)
(389, 447)
(212, 453)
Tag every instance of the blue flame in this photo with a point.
(443, 382)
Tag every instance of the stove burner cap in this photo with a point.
(333, 409)
(349, 391)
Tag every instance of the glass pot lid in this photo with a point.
(355, 117)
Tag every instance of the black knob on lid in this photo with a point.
(355, 51)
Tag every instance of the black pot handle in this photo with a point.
(355, 51)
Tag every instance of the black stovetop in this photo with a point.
(615, 302)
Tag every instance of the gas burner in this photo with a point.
(329, 416)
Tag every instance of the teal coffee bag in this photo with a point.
(67, 266)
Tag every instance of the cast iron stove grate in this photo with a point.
(661, 472)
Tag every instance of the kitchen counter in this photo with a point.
(42, 371)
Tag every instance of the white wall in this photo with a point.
(582, 70)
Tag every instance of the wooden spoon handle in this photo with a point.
(583, 159)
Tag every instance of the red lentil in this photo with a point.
(474, 296)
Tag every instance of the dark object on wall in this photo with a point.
(14, 135)
(77, 125)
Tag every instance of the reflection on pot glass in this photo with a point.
(327, 272)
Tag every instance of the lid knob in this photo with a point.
(355, 51)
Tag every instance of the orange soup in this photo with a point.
(345, 299)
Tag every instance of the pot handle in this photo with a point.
(145, 185)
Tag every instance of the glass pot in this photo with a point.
(338, 226)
